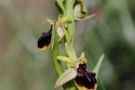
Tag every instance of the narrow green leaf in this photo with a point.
(98, 65)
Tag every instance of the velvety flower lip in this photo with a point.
(44, 40)
(85, 80)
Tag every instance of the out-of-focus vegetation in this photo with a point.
(111, 31)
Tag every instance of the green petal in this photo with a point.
(68, 75)
(98, 65)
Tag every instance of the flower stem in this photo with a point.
(70, 30)
(67, 10)
(70, 34)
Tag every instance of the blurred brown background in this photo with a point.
(112, 31)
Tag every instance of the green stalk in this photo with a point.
(66, 10)
(70, 34)
(70, 30)
(70, 25)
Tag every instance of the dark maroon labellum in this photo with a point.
(44, 40)
(84, 78)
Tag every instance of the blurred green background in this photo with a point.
(111, 31)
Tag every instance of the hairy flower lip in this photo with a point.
(44, 41)
(85, 80)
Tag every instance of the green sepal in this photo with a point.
(68, 75)
(85, 18)
(80, 11)
(55, 51)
